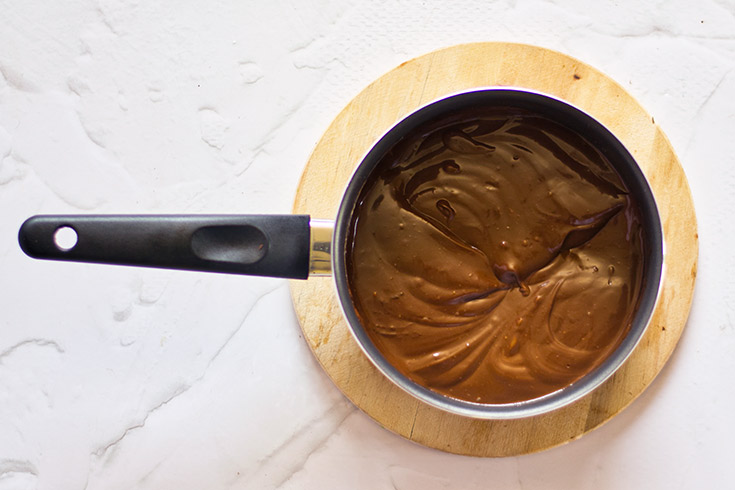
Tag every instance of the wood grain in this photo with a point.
(438, 74)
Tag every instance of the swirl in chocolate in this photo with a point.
(496, 256)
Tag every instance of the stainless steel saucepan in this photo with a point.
(296, 246)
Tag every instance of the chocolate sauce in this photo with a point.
(496, 256)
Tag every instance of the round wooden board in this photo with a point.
(400, 92)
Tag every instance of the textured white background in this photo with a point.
(117, 378)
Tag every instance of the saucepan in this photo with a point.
(297, 246)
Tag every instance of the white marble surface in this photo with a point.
(117, 378)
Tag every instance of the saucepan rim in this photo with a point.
(632, 175)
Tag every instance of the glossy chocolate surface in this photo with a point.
(495, 257)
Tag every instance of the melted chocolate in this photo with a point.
(496, 256)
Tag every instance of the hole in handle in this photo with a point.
(65, 238)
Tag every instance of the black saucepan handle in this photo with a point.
(258, 245)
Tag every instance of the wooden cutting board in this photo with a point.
(400, 92)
